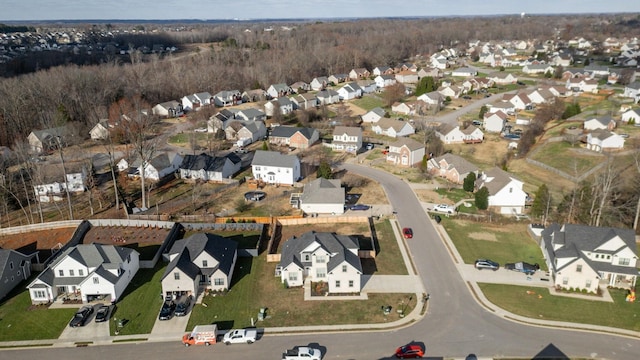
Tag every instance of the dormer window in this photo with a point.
(307, 257)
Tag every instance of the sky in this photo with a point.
(24, 10)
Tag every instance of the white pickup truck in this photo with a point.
(240, 336)
(302, 353)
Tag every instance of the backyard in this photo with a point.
(561, 155)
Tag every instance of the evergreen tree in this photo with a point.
(324, 170)
(469, 182)
(483, 110)
(482, 198)
(542, 201)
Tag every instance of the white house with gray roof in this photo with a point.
(297, 137)
(198, 263)
(195, 101)
(87, 271)
(322, 256)
(451, 167)
(275, 168)
(374, 115)
(323, 196)
(588, 257)
(632, 91)
(251, 114)
(281, 104)
(160, 166)
(506, 195)
(227, 98)
(347, 139)
(209, 168)
(279, 90)
(393, 128)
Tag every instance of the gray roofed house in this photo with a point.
(297, 137)
(15, 267)
(199, 262)
(451, 167)
(282, 104)
(347, 138)
(227, 98)
(251, 114)
(45, 140)
(279, 90)
(161, 165)
(209, 168)
(321, 256)
(406, 152)
(605, 122)
(170, 108)
(86, 271)
(393, 127)
(589, 257)
(505, 191)
(374, 115)
(323, 196)
(275, 168)
(245, 129)
(327, 96)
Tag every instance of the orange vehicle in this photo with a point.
(201, 335)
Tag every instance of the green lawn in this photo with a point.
(499, 242)
(368, 102)
(388, 258)
(515, 299)
(19, 322)
(245, 239)
(560, 155)
(455, 194)
(140, 303)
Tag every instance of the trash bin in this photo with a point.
(437, 218)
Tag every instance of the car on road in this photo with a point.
(167, 310)
(81, 316)
(183, 307)
(443, 208)
(359, 207)
(409, 351)
(486, 264)
(407, 233)
(102, 314)
(302, 353)
(248, 336)
(523, 267)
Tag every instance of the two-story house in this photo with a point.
(405, 152)
(347, 139)
(297, 137)
(506, 195)
(209, 168)
(451, 167)
(275, 168)
(323, 256)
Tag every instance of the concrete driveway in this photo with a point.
(174, 327)
(89, 332)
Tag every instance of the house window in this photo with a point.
(321, 273)
(597, 256)
(565, 280)
(257, 168)
(510, 190)
(337, 283)
(39, 294)
(205, 263)
(293, 276)
(350, 283)
(96, 280)
(608, 257)
(80, 272)
(307, 257)
(344, 268)
(320, 259)
(579, 268)
(624, 261)
(61, 272)
(218, 281)
(588, 284)
(71, 273)
(11, 265)
(176, 276)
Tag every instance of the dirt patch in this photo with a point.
(430, 196)
(483, 236)
(42, 241)
(490, 152)
(113, 235)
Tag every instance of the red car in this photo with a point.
(408, 233)
(409, 351)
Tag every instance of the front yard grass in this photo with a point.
(388, 259)
(368, 102)
(620, 314)
(19, 322)
(255, 286)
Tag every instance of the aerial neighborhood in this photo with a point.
(279, 201)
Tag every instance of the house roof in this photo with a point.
(494, 180)
(326, 93)
(349, 130)
(289, 131)
(602, 134)
(163, 160)
(218, 247)
(388, 123)
(337, 245)
(604, 120)
(274, 158)
(378, 111)
(252, 113)
(634, 85)
(323, 191)
(207, 162)
(469, 130)
(45, 134)
(408, 142)
(461, 165)
(7, 255)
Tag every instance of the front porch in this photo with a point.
(619, 281)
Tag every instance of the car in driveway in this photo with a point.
(183, 307)
(102, 314)
(167, 310)
(486, 264)
(82, 316)
(359, 207)
(409, 351)
(407, 233)
(523, 267)
(443, 208)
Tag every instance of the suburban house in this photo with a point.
(305, 101)
(15, 267)
(319, 83)
(464, 72)
(254, 95)
(451, 167)
(432, 98)
(382, 70)
(383, 81)
(631, 116)
(169, 109)
(505, 106)
(505, 191)
(161, 165)
(541, 96)
(297, 137)
(347, 139)
(273, 167)
(407, 77)
(360, 73)
(632, 91)
(502, 78)
(209, 168)
(227, 98)
(538, 69)
(373, 115)
(582, 85)
(281, 104)
(450, 134)
(324, 257)
(472, 135)
(195, 101)
(494, 121)
(322, 196)
(242, 129)
(602, 123)
(279, 90)
(198, 263)
(327, 97)
(451, 91)
(519, 101)
(393, 128)
(405, 152)
(604, 140)
(87, 272)
(300, 87)
(100, 131)
(587, 257)
(350, 91)
(51, 191)
(402, 108)
(367, 86)
(250, 114)
(47, 140)
(336, 79)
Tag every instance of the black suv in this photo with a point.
(167, 310)
(81, 317)
(486, 264)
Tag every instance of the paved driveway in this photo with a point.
(91, 331)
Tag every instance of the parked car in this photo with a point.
(167, 310)
(486, 264)
(359, 207)
(248, 336)
(467, 97)
(369, 146)
(302, 353)
(81, 316)
(477, 123)
(407, 233)
(102, 314)
(444, 209)
(183, 307)
(409, 351)
(522, 267)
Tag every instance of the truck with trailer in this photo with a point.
(201, 335)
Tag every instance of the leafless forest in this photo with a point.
(228, 56)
